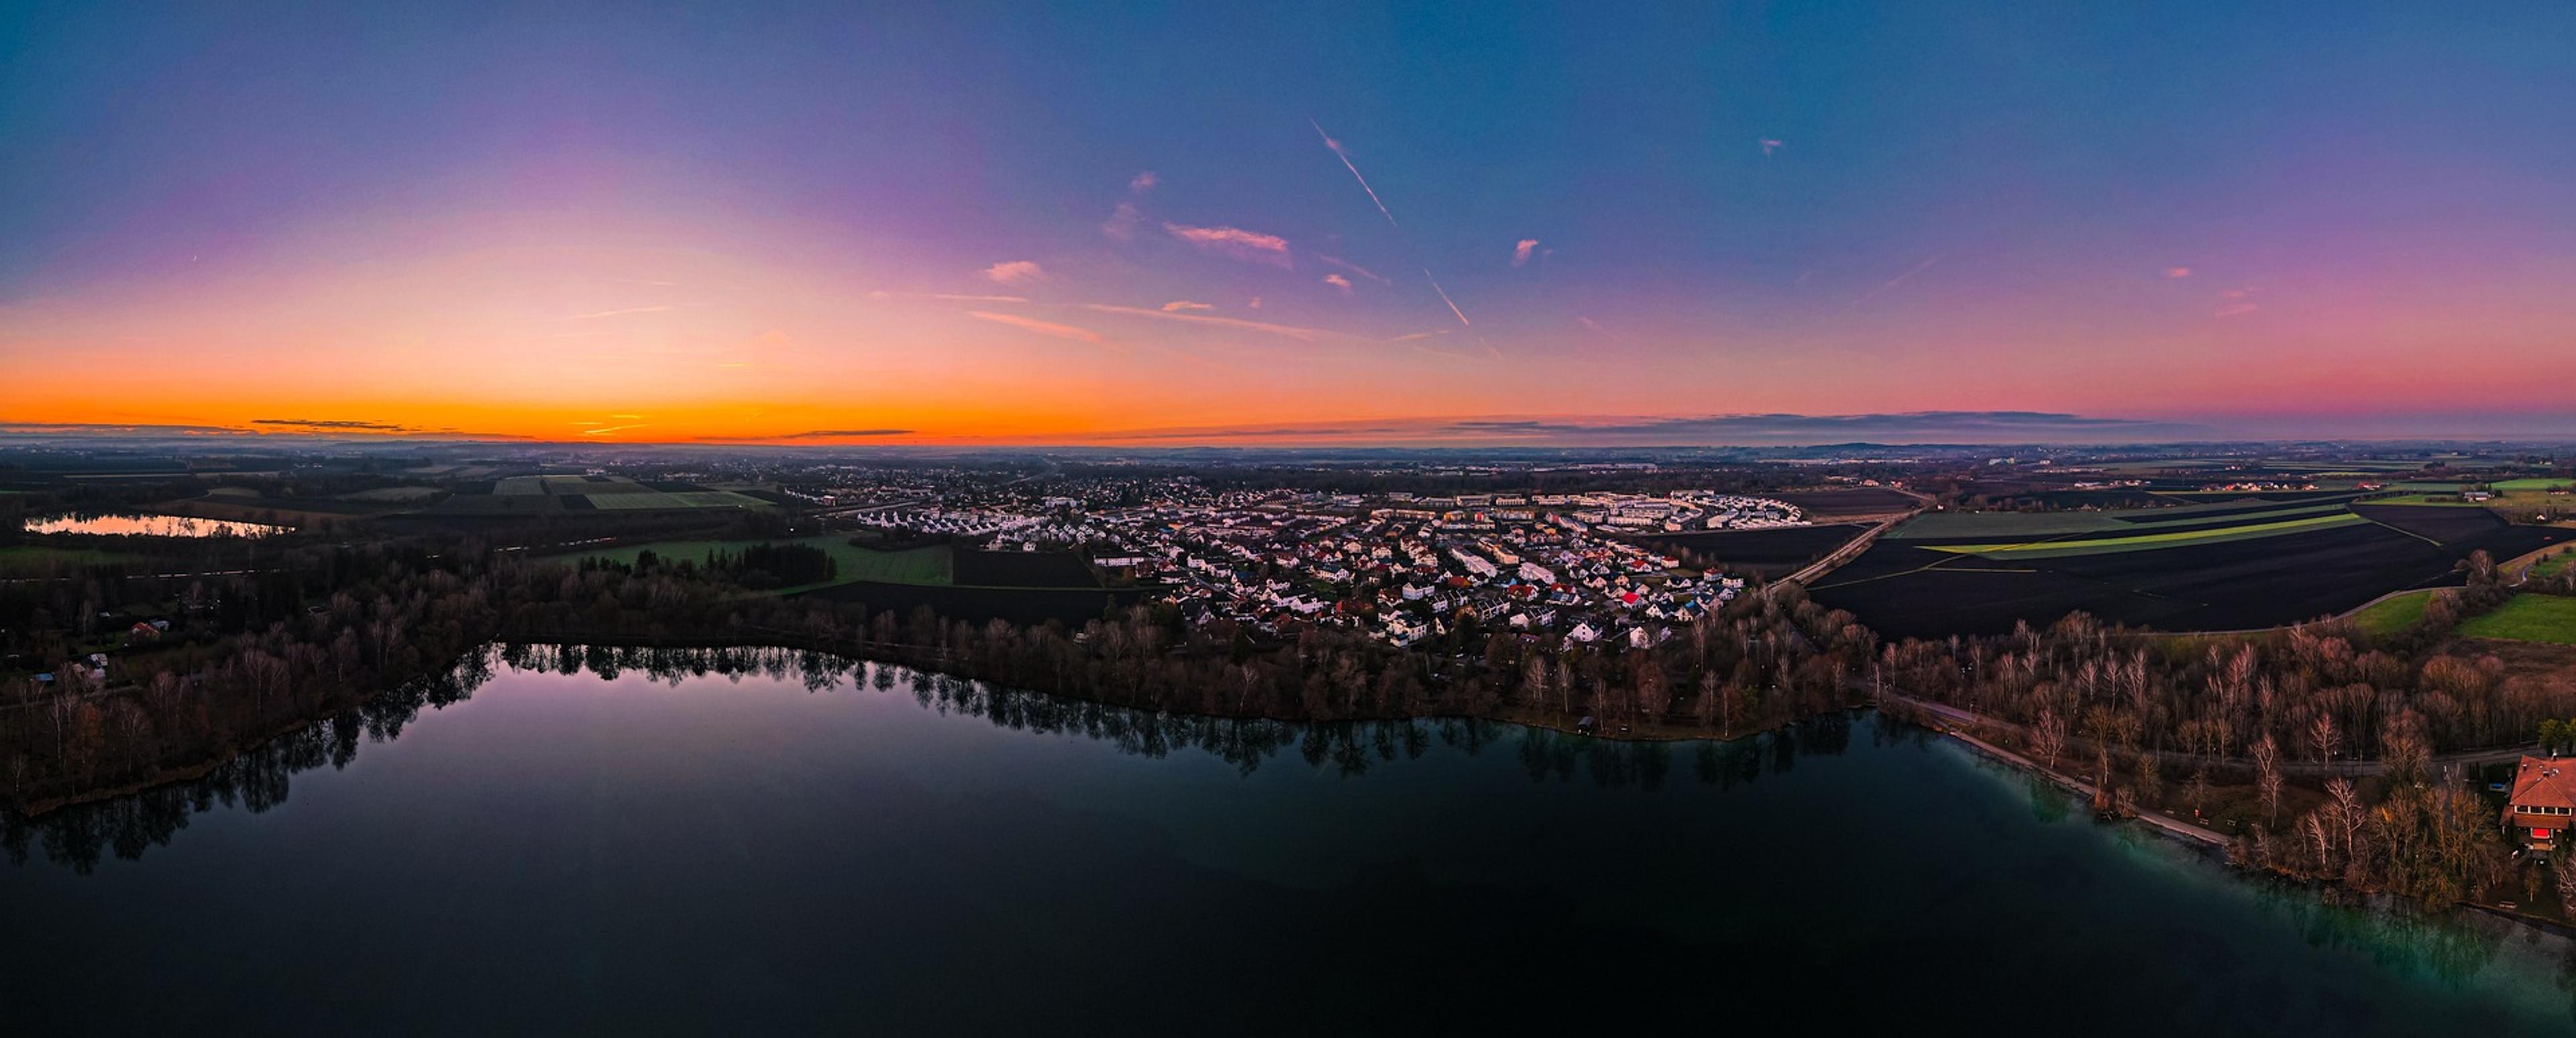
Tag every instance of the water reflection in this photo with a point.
(150, 526)
(258, 779)
(1956, 854)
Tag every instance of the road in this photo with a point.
(1849, 551)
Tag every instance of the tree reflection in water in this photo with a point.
(257, 779)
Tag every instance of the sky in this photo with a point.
(1226, 223)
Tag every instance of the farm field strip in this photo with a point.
(1935, 525)
(2149, 541)
(2528, 618)
(23, 557)
(2396, 612)
(641, 498)
(911, 566)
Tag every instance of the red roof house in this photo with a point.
(2543, 803)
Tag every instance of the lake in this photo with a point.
(806, 844)
(150, 526)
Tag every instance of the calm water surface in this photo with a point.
(870, 851)
(150, 526)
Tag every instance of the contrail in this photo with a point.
(1338, 153)
(1329, 142)
(1900, 279)
(1462, 315)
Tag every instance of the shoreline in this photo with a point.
(925, 659)
(2209, 841)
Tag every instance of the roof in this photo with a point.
(2544, 782)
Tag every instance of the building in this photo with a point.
(2543, 802)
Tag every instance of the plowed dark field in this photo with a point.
(1903, 589)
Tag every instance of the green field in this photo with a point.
(2531, 486)
(392, 494)
(930, 565)
(2041, 524)
(2528, 618)
(2554, 565)
(2151, 541)
(641, 497)
(2396, 613)
(524, 494)
(25, 557)
(2425, 500)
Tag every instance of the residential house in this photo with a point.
(2543, 803)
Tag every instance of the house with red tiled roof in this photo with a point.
(2543, 803)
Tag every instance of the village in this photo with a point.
(1556, 568)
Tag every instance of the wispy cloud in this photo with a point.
(1345, 156)
(1015, 272)
(1121, 225)
(607, 430)
(1959, 427)
(1249, 246)
(2235, 309)
(1417, 336)
(615, 313)
(1353, 268)
(947, 297)
(2177, 272)
(1771, 144)
(113, 429)
(952, 297)
(840, 434)
(1338, 281)
(1178, 305)
(1061, 331)
(1521, 251)
(343, 425)
(1290, 331)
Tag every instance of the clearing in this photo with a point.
(2528, 618)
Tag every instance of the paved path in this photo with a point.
(2173, 826)
(2463, 758)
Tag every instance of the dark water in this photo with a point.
(795, 851)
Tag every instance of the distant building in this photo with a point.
(2543, 802)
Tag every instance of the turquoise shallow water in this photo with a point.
(867, 850)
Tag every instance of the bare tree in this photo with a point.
(2348, 812)
(2267, 775)
(2323, 737)
(2048, 735)
(2402, 747)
